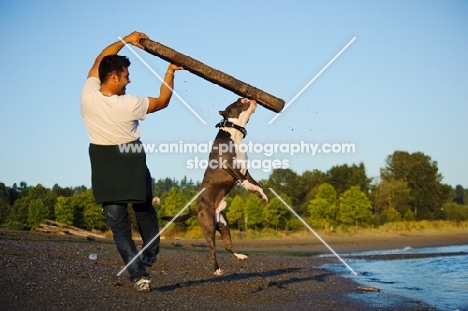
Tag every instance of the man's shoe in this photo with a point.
(142, 285)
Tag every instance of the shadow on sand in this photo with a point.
(244, 276)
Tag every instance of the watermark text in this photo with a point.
(267, 149)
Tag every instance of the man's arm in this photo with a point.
(133, 38)
(165, 91)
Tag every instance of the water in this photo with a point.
(437, 276)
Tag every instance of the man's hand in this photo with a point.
(134, 38)
(173, 67)
(165, 91)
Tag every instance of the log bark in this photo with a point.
(214, 76)
(52, 226)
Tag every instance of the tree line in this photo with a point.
(409, 188)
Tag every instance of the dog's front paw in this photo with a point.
(248, 186)
(262, 195)
(218, 272)
(254, 188)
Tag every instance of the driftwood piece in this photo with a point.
(51, 226)
(215, 76)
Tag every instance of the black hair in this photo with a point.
(110, 64)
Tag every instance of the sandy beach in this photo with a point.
(44, 271)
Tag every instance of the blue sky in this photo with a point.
(401, 85)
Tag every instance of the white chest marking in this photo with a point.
(241, 160)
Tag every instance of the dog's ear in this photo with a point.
(223, 113)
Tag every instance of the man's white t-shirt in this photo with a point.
(111, 120)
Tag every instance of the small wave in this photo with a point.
(434, 276)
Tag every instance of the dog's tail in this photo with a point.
(180, 218)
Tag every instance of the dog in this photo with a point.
(227, 167)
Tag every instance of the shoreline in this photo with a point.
(340, 243)
(51, 271)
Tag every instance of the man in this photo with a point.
(118, 178)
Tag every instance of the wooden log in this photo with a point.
(52, 226)
(215, 76)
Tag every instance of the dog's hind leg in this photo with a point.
(207, 223)
(209, 233)
(223, 228)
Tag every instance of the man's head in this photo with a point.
(113, 69)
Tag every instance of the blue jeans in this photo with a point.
(119, 221)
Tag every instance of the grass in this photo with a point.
(401, 227)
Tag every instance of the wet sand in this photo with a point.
(48, 271)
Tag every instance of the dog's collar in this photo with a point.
(226, 123)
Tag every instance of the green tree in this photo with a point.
(324, 205)
(240, 191)
(189, 196)
(64, 210)
(390, 215)
(455, 212)
(285, 181)
(18, 216)
(163, 186)
(293, 224)
(86, 213)
(408, 216)
(254, 211)
(21, 190)
(421, 174)
(343, 177)
(171, 204)
(460, 195)
(77, 206)
(354, 206)
(391, 193)
(46, 195)
(310, 181)
(64, 192)
(276, 214)
(186, 184)
(37, 213)
(4, 203)
(236, 212)
(79, 189)
(94, 217)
